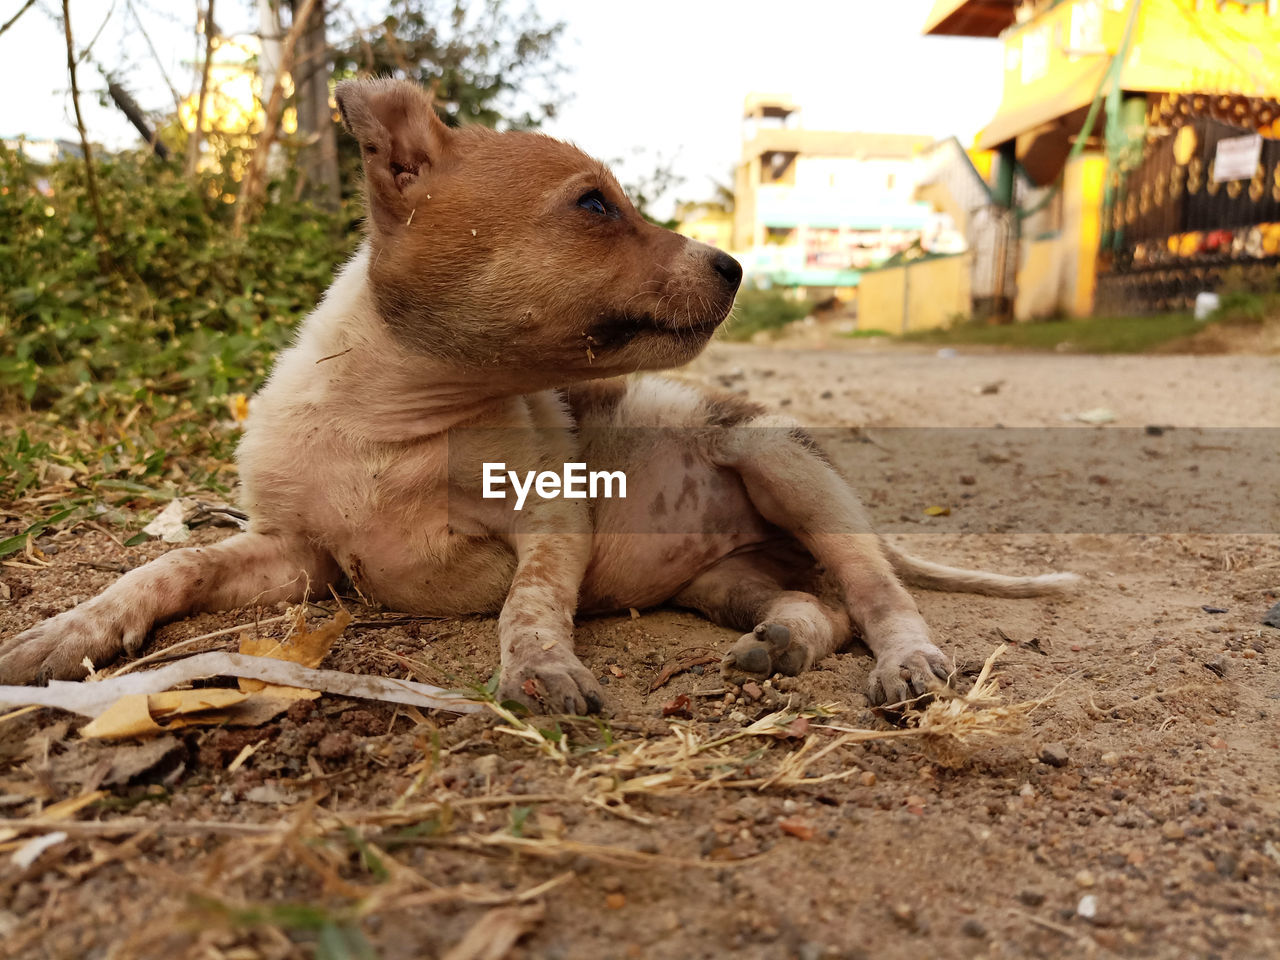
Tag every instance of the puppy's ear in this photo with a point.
(401, 138)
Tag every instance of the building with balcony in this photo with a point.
(812, 208)
(1110, 202)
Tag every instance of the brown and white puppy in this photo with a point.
(505, 284)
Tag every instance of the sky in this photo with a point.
(661, 80)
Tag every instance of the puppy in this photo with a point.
(505, 285)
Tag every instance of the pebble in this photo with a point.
(1272, 617)
(752, 690)
(973, 928)
(1173, 831)
(867, 778)
(1110, 758)
(1032, 898)
(1088, 906)
(1054, 754)
(1085, 879)
(905, 916)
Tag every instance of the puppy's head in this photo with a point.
(518, 252)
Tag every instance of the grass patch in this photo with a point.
(756, 310)
(1089, 335)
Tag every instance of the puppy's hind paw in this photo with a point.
(908, 673)
(766, 650)
(552, 688)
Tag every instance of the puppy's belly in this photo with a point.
(680, 517)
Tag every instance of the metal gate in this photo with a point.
(1175, 225)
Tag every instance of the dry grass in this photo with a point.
(352, 861)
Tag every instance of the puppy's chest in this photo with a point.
(389, 527)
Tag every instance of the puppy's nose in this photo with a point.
(729, 269)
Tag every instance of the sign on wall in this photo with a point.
(1237, 158)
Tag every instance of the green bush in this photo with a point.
(1248, 296)
(757, 310)
(173, 312)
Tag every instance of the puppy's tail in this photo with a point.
(935, 576)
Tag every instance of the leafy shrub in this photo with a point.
(174, 312)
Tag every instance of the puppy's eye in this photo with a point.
(594, 201)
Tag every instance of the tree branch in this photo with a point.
(254, 179)
(14, 19)
(84, 138)
(193, 142)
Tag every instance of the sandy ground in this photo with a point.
(1138, 815)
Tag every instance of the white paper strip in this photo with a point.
(91, 698)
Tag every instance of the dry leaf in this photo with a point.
(307, 647)
(796, 827)
(936, 511)
(680, 665)
(494, 934)
(679, 707)
(137, 715)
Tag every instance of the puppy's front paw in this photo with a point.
(57, 648)
(766, 650)
(552, 686)
(908, 671)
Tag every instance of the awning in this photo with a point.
(969, 18)
(1025, 109)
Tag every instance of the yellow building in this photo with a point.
(707, 223)
(1144, 69)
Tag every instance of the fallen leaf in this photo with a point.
(494, 934)
(680, 665)
(129, 761)
(307, 647)
(936, 511)
(616, 670)
(796, 827)
(138, 715)
(169, 524)
(679, 707)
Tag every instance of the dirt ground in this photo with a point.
(1137, 815)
